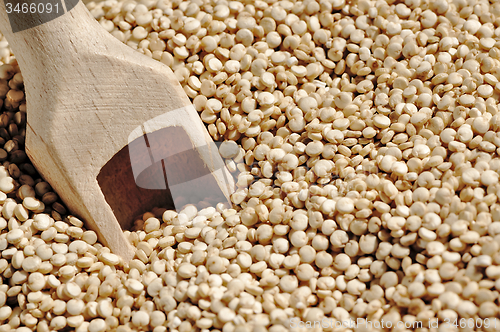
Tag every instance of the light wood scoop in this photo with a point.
(110, 129)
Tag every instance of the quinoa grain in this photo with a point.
(363, 138)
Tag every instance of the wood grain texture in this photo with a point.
(86, 93)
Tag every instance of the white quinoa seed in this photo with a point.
(364, 141)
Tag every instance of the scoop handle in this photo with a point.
(52, 52)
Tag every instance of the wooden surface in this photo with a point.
(88, 96)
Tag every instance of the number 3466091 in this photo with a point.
(471, 323)
(31, 8)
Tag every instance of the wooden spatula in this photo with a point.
(110, 129)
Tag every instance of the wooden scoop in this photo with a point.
(110, 129)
